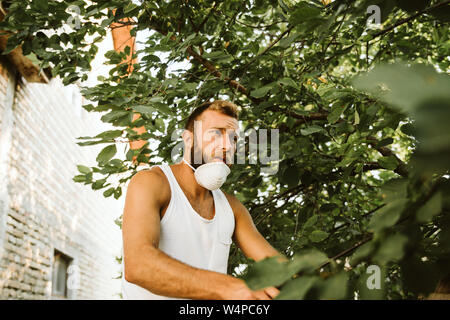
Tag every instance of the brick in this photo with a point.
(13, 284)
(11, 293)
(25, 287)
(12, 239)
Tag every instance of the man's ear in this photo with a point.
(188, 138)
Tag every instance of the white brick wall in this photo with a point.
(46, 210)
(3, 82)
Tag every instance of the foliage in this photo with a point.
(362, 114)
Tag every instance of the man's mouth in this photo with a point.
(217, 159)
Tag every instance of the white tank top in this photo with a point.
(190, 238)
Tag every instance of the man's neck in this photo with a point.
(188, 182)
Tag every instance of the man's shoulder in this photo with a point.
(229, 196)
(150, 180)
(150, 175)
(234, 202)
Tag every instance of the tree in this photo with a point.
(361, 110)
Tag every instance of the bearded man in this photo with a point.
(178, 225)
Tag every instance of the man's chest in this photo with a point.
(205, 208)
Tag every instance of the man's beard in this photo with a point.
(200, 156)
(194, 160)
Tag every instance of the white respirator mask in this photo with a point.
(211, 175)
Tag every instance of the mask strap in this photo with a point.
(188, 164)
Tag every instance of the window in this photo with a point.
(61, 263)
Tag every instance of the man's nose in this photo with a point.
(227, 143)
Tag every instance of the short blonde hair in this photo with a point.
(222, 106)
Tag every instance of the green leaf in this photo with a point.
(389, 162)
(265, 273)
(83, 169)
(190, 86)
(335, 114)
(405, 87)
(387, 216)
(318, 235)
(144, 109)
(130, 154)
(430, 209)
(109, 192)
(346, 161)
(91, 143)
(129, 7)
(106, 154)
(326, 207)
(361, 253)
(308, 260)
(335, 287)
(159, 123)
(311, 129)
(431, 126)
(152, 58)
(41, 5)
(79, 178)
(356, 117)
(304, 13)
(391, 249)
(289, 82)
(286, 42)
(296, 289)
(311, 221)
(261, 92)
(89, 176)
(117, 193)
(173, 82)
(111, 134)
(162, 107)
(88, 107)
(394, 189)
(98, 184)
(11, 44)
(218, 56)
(114, 115)
(271, 272)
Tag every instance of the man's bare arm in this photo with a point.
(149, 267)
(247, 236)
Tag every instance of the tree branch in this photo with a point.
(207, 64)
(213, 70)
(386, 152)
(207, 16)
(403, 21)
(346, 252)
(244, 68)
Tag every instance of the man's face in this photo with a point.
(215, 137)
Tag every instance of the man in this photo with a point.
(177, 225)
